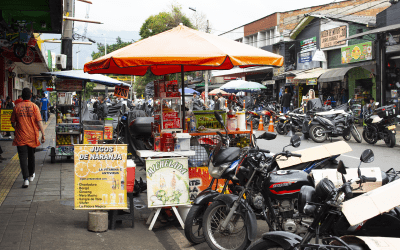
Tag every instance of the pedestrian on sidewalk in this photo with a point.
(44, 107)
(286, 101)
(18, 100)
(27, 122)
(102, 109)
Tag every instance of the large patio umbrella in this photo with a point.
(242, 85)
(178, 50)
(189, 91)
(216, 91)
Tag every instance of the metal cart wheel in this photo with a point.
(53, 155)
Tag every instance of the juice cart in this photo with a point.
(70, 126)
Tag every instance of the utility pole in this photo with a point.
(77, 59)
(105, 53)
(66, 41)
(207, 76)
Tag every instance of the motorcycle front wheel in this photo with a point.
(347, 137)
(194, 224)
(367, 138)
(316, 135)
(356, 135)
(233, 237)
(262, 244)
(281, 128)
(391, 140)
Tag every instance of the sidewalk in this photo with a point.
(42, 216)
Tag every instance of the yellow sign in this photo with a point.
(5, 120)
(356, 52)
(92, 136)
(100, 176)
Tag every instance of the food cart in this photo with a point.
(192, 51)
(71, 127)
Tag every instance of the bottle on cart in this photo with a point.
(193, 124)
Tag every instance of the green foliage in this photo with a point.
(110, 47)
(164, 21)
(89, 90)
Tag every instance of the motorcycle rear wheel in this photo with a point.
(195, 218)
(368, 139)
(391, 141)
(356, 135)
(347, 137)
(281, 128)
(262, 244)
(316, 135)
(213, 218)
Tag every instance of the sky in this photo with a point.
(125, 17)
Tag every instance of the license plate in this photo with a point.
(391, 127)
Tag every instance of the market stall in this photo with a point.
(192, 51)
(71, 128)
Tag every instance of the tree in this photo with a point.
(164, 21)
(110, 47)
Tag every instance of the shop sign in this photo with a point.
(71, 85)
(268, 82)
(311, 81)
(305, 57)
(121, 91)
(167, 182)
(290, 79)
(226, 78)
(100, 177)
(332, 37)
(357, 53)
(92, 136)
(308, 44)
(5, 120)
(278, 71)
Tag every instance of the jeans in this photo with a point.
(26, 160)
(44, 115)
(285, 110)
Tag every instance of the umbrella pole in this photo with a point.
(183, 97)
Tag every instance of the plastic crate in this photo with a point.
(207, 119)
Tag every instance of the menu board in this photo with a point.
(167, 182)
(100, 177)
(72, 85)
(5, 120)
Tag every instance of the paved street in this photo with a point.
(42, 216)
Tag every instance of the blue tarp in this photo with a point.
(96, 78)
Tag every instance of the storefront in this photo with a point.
(308, 80)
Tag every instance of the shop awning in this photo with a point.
(96, 78)
(374, 31)
(334, 75)
(288, 73)
(310, 74)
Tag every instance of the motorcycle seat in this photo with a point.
(226, 155)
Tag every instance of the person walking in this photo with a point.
(286, 101)
(27, 122)
(102, 109)
(217, 103)
(18, 100)
(44, 107)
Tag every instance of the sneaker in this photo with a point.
(31, 178)
(26, 184)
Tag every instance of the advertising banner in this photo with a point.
(5, 120)
(92, 136)
(331, 37)
(357, 53)
(100, 177)
(199, 180)
(167, 182)
(308, 44)
(121, 91)
(71, 85)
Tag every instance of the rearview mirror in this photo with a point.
(367, 156)
(341, 168)
(295, 141)
(267, 136)
(219, 118)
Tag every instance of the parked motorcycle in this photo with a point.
(292, 121)
(381, 126)
(324, 204)
(333, 123)
(230, 221)
(222, 164)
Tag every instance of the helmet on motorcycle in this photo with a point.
(324, 188)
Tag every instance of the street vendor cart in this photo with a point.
(71, 126)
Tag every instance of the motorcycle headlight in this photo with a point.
(216, 172)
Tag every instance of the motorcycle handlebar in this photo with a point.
(368, 179)
(347, 191)
(264, 151)
(295, 155)
(219, 133)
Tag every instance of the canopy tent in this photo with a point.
(96, 78)
(216, 91)
(241, 85)
(178, 50)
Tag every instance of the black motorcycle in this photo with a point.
(292, 121)
(381, 126)
(324, 204)
(222, 165)
(332, 124)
